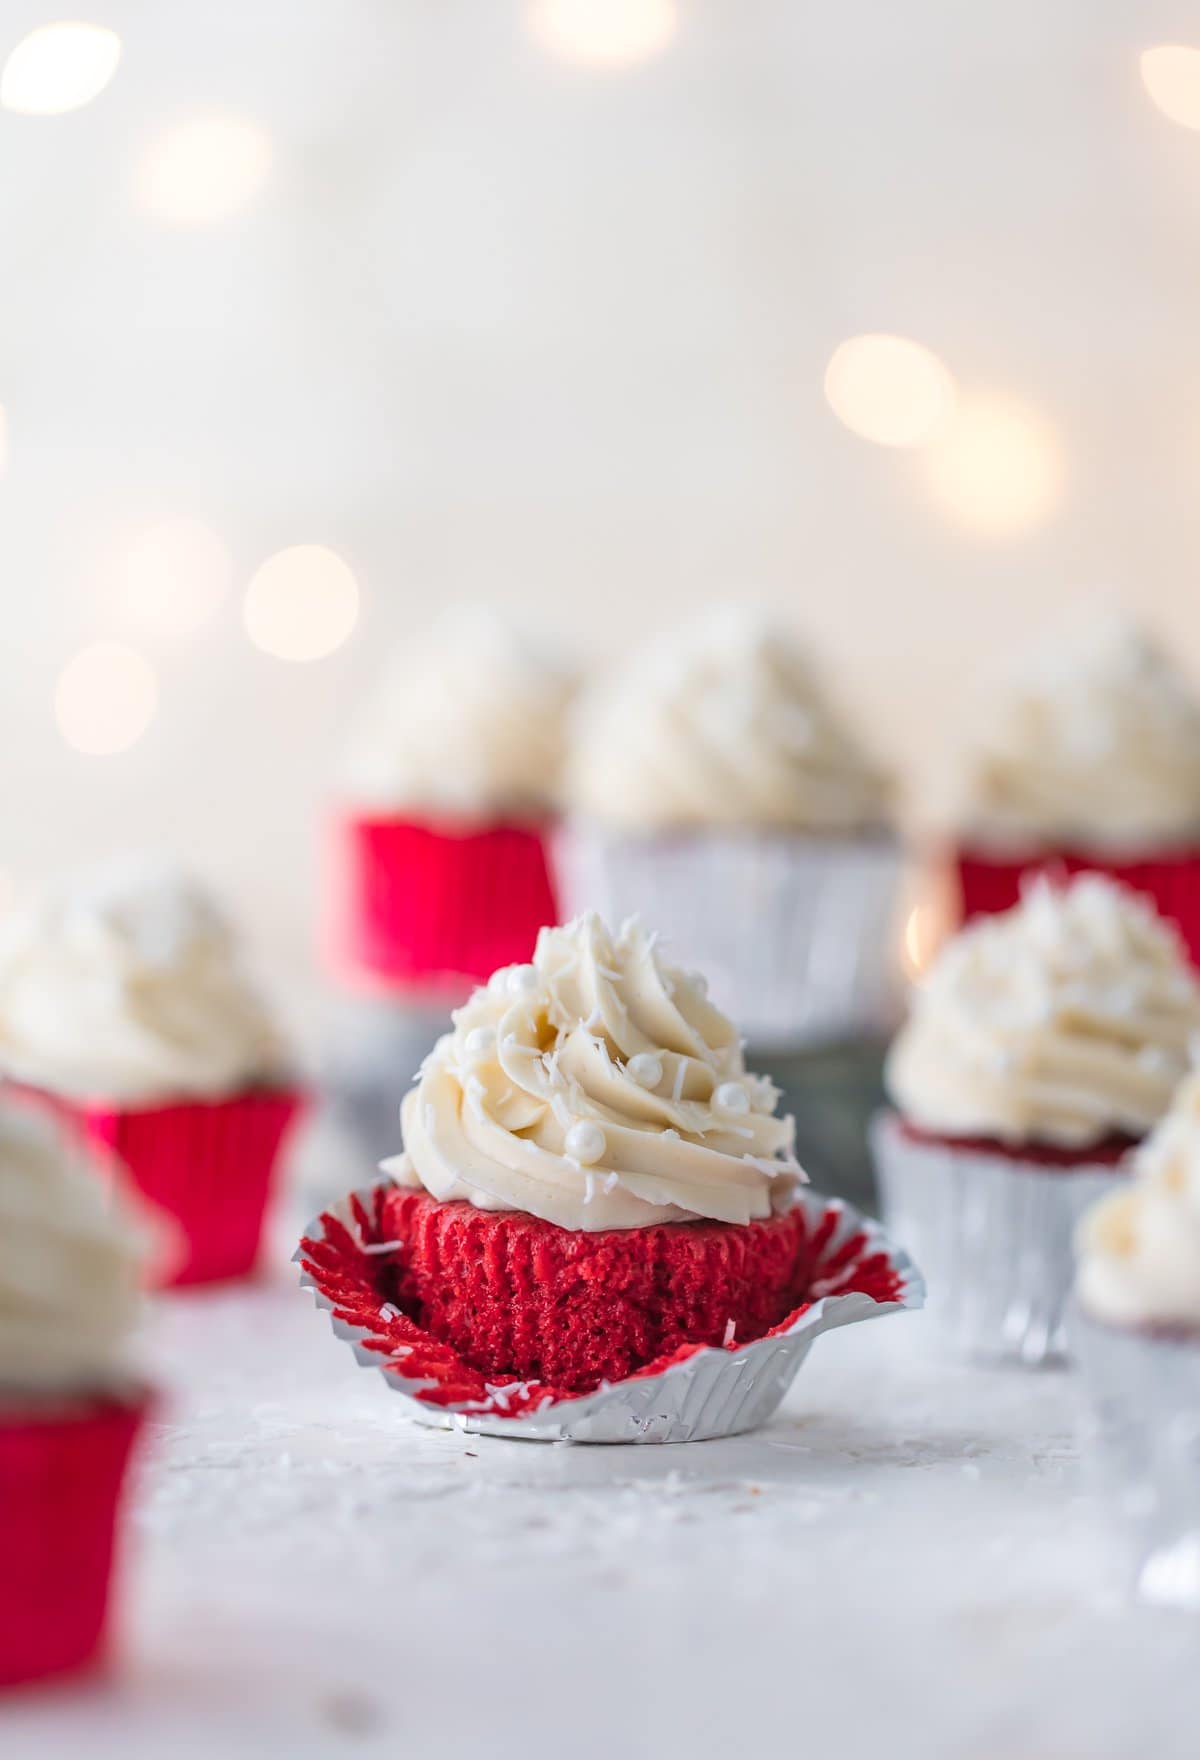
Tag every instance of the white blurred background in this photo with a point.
(542, 303)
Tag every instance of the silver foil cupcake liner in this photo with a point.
(798, 935)
(1141, 1449)
(712, 1392)
(995, 1238)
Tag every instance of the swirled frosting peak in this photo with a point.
(127, 987)
(70, 1265)
(1065, 1020)
(724, 724)
(1139, 1248)
(1094, 737)
(467, 723)
(596, 1088)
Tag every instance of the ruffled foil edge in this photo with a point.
(995, 1236)
(709, 1393)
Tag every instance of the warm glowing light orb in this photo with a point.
(997, 468)
(172, 577)
(1171, 75)
(204, 169)
(603, 33)
(59, 67)
(301, 604)
(105, 698)
(888, 389)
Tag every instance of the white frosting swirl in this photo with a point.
(596, 1088)
(726, 724)
(126, 987)
(1093, 737)
(1139, 1248)
(1062, 1021)
(467, 723)
(70, 1265)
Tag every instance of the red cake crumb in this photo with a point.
(514, 1296)
(1106, 1153)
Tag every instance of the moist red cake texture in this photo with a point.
(512, 1295)
(1106, 1153)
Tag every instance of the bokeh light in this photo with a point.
(603, 33)
(996, 468)
(1171, 75)
(171, 578)
(105, 698)
(301, 604)
(59, 67)
(888, 389)
(204, 169)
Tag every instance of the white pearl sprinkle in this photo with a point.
(645, 1069)
(521, 980)
(731, 1097)
(480, 1042)
(585, 1142)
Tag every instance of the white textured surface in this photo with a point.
(902, 1563)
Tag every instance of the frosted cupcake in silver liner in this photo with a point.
(1041, 1047)
(1136, 1329)
(711, 786)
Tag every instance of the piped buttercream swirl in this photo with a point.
(724, 724)
(1139, 1248)
(1064, 1021)
(596, 1087)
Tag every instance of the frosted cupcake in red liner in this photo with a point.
(439, 871)
(712, 786)
(1085, 756)
(1136, 1330)
(1041, 1047)
(595, 1228)
(124, 1006)
(70, 1410)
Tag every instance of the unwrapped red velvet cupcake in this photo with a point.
(1137, 1334)
(1041, 1047)
(596, 1225)
(438, 871)
(1085, 756)
(712, 785)
(70, 1409)
(124, 1006)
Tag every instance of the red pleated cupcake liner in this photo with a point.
(207, 1165)
(350, 1255)
(990, 882)
(419, 906)
(62, 1469)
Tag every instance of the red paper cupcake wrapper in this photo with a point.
(208, 1165)
(415, 905)
(989, 883)
(61, 1474)
(699, 1391)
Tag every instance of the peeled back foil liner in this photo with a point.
(994, 1235)
(797, 933)
(1141, 1443)
(702, 1392)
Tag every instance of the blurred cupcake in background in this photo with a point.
(1043, 1044)
(1086, 756)
(1137, 1333)
(124, 1006)
(70, 1408)
(713, 788)
(440, 871)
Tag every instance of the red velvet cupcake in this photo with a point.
(593, 1190)
(69, 1412)
(438, 869)
(1041, 1047)
(124, 1006)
